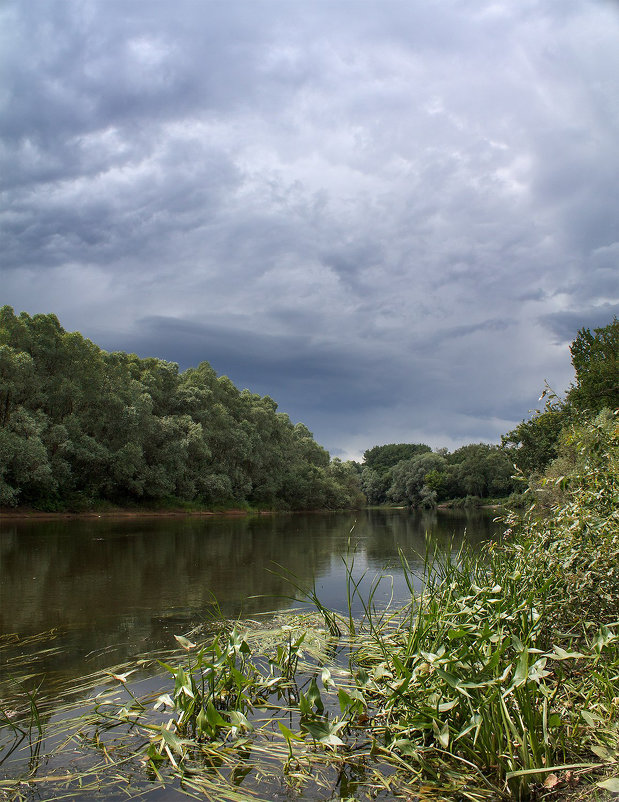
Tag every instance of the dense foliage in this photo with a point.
(382, 458)
(510, 662)
(425, 478)
(79, 425)
(500, 682)
(595, 358)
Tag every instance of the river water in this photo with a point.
(110, 589)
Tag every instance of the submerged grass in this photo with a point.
(500, 682)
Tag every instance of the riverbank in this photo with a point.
(120, 513)
(107, 510)
(13, 514)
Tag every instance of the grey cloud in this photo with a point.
(566, 325)
(485, 326)
(375, 213)
(532, 295)
(319, 383)
(308, 376)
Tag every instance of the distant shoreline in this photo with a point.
(37, 515)
(27, 514)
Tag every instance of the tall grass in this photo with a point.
(468, 691)
(507, 670)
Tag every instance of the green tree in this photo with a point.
(534, 443)
(480, 469)
(382, 458)
(80, 424)
(25, 470)
(409, 479)
(17, 380)
(595, 360)
(438, 482)
(375, 485)
(344, 486)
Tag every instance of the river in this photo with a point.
(106, 590)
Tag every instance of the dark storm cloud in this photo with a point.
(566, 325)
(309, 375)
(391, 217)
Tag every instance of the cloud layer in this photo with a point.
(390, 216)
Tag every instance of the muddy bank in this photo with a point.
(8, 514)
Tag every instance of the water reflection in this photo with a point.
(116, 588)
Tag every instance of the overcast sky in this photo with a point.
(392, 216)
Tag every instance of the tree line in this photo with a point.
(424, 478)
(79, 425)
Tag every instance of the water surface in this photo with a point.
(106, 590)
(115, 588)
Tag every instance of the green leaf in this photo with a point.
(522, 671)
(352, 701)
(453, 681)
(122, 677)
(429, 657)
(323, 732)
(454, 634)
(560, 654)
(344, 698)
(213, 716)
(202, 723)
(537, 671)
(125, 714)
(603, 638)
(604, 753)
(612, 785)
(381, 671)
(474, 724)
(164, 700)
(305, 707)
(362, 677)
(450, 679)
(441, 733)
(591, 718)
(313, 695)
(172, 740)
(154, 754)
(185, 643)
(240, 720)
(399, 665)
(240, 680)
(405, 746)
(288, 734)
